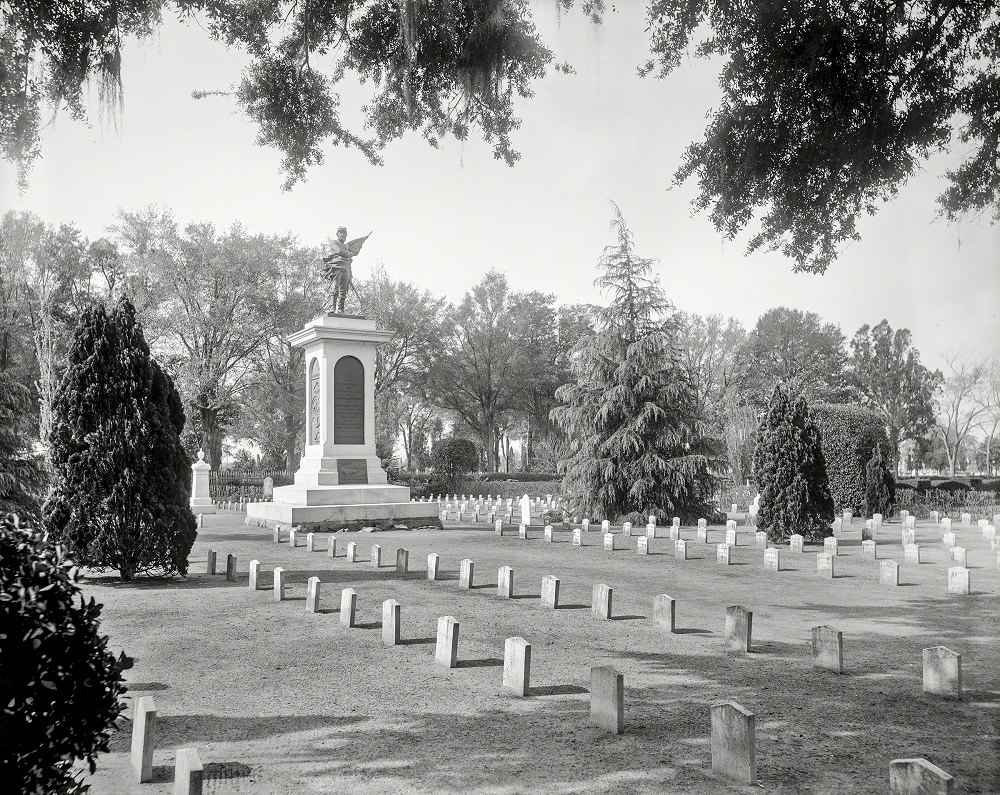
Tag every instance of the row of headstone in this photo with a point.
(188, 770)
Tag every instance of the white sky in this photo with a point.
(442, 218)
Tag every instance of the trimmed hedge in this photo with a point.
(850, 433)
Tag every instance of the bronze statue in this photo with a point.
(337, 265)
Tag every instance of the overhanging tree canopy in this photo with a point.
(828, 108)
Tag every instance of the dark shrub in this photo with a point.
(789, 470)
(880, 486)
(951, 485)
(61, 688)
(452, 458)
(849, 435)
(121, 482)
(21, 473)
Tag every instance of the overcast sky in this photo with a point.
(442, 218)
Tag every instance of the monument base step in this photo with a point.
(333, 518)
(340, 495)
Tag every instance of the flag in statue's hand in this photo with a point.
(356, 244)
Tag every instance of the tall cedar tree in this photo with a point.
(880, 486)
(638, 445)
(121, 478)
(790, 472)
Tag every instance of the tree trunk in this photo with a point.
(894, 444)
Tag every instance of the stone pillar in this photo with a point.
(201, 502)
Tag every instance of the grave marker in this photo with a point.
(210, 561)
(277, 534)
(796, 542)
(390, 622)
(888, 573)
(642, 545)
(548, 533)
(869, 550)
(522, 531)
(702, 534)
(958, 580)
(600, 604)
(609, 542)
(231, 568)
(722, 554)
(143, 738)
(585, 525)
(911, 553)
(838, 525)
(310, 542)
(733, 742)
(376, 556)
(505, 582)
(627, 529)
(293, 538)
(772, 558)
(254, 580)
(465, 572)
(348, 607)
(352, 551)
(664, 611)
(279, 584)
(605, 526)
(607, 698)
(550, 592)
(331, 548)
(739, 628)
(680, 549)
(446, 650)
(577, 538)
(760, 539)
(517, 665)
(498, 527)
(960, 556)
(828, 649)
(189, 775)
(910, 522)
(907, 536)
(676, 522)
(651, 531)
(830, 546)
(942, 672)
(312, 595)
(702, 523)
(433, 562)
(731, 525)
(402, 561)
(918, 777)
(936, 517)
(825, 563)
(731, 537)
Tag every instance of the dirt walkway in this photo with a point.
(279, 700)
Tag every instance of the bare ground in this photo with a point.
(280, 700)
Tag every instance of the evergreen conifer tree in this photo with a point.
(790, 472)
(638, 446)
(880, 486)
(121, 488)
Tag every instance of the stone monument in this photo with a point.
(340, 483)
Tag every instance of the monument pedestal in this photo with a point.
(340, 483)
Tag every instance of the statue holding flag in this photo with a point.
(337, 265)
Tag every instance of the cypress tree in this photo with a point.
(880, 486)
(121, 488)
(790, 472)
(638, 446)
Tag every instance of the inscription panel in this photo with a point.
(348, 401)
(352, 471)
(314, 412)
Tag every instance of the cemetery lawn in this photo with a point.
(280, 700)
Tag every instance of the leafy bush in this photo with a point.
(121, 478)
(849, 434)
(61, 688)
(790, 471)
(452, 458)
(952, 485)
(880, 486)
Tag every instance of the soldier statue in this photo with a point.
(337, 265)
